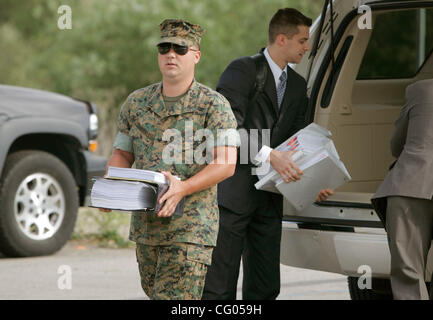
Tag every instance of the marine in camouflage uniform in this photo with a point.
(173, 253)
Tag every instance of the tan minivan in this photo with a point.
(357, 73)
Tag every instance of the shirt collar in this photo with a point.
(276, 70)
(183, 105)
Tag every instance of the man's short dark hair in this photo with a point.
(286, 21)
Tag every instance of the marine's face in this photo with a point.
(296, 46)
(175, 66)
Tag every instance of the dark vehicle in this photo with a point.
(45, 167)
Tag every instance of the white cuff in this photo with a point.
(263, 155)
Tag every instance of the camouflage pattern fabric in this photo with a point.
(175, 272)
(145, 118)
(180, 32)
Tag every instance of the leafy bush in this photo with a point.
(110, 50)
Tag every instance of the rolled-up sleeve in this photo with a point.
(222, 123)
(123, 140)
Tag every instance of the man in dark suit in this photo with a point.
(404, 200)
(251, 220)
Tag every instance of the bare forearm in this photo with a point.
(211, 175)
(121, 159)
(222, 167)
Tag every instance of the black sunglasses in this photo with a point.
(164, 48)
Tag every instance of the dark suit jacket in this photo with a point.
(238, 193)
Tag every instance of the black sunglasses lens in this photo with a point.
(164, 48)
(182, 50)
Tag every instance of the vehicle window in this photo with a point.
(399, 45)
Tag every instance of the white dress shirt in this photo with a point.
(276, 70)
(265, 151)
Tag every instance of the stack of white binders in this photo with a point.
(317, 157)
(127, 189)
(122, 195)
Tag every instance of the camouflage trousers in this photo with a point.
(174, 272)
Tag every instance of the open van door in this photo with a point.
(357, 88)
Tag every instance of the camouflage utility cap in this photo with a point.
(180, 32)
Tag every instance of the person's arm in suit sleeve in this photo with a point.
(237, 84)
(284, 162)
(400, 132)
(300, 122)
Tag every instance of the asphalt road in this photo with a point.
(85, 272)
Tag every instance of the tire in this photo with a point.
(38, 204)
(381, 290)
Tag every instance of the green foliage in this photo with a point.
(108, 230)
(110, 50)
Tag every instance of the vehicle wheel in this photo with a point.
(381, 290)
(38, 204)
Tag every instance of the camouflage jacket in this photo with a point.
(148, 124)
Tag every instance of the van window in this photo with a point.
(400, 43)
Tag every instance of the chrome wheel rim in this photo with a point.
(39, 206)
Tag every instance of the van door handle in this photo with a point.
(345, 109)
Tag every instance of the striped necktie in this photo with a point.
(281, 88)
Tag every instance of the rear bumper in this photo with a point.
(335, 251)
